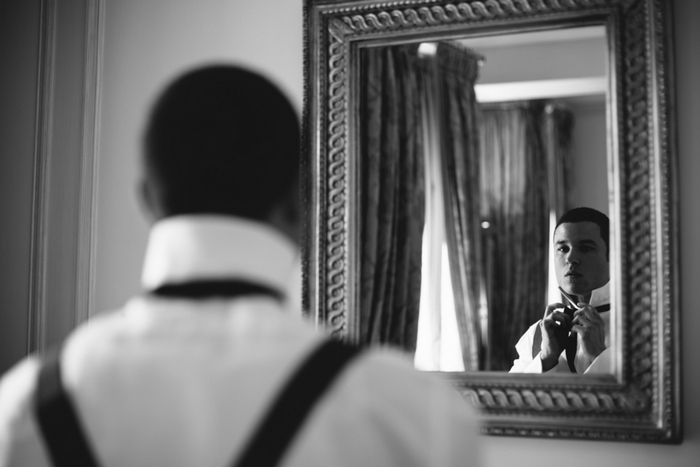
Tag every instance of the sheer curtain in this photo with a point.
(430, 346)
(523, 181)
(450, 335)
(456, 70)
(392, 195)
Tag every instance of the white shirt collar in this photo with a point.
(600, 296)
(183, 248)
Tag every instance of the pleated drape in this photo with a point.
(392, 196)
(523, 147)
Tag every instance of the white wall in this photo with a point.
(559, 60)
(589, 170)
(149, 42)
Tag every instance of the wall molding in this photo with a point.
(65, 164)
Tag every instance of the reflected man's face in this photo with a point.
(580, 259)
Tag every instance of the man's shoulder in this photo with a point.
(398, 415)
(19, 442)
(17, 386)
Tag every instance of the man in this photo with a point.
(574, 336)
(184, 374)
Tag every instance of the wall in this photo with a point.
(146, 44)
(19, 53)
(524, 62)
(589, 169)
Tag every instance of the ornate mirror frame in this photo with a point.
(641, 402)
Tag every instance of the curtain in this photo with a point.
(522, 178)
(557, 125)
(455, 71)
(430, 343)
(392, 196)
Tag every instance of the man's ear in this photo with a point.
(286, 214)
(149, 200)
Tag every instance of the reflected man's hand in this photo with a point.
(555, 328)
(590, 327)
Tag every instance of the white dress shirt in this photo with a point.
(179, 382)
(529, 360)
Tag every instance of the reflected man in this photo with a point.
(574, 336)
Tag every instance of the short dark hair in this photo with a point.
(221, 140)
(584, 214)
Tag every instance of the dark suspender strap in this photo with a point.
(58, 421)
(284, 418)
(215, 288)
(65, 439)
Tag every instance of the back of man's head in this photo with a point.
(584, 214)
(220, 140)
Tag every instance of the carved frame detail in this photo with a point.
(642, 402)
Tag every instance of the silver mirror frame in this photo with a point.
(641, 402)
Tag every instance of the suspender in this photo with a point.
(58, 421)
(67, 444)
(290, 409)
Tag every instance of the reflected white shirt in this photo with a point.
(176, 382)
(529, 360)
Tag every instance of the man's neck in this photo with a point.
(602, 294)
(584, 298)
(574, 299)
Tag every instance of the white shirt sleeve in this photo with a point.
(602, 364)
(20, 444)
(526, 361)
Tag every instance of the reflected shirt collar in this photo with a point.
(210, 247)
(600, 296)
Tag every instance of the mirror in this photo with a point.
(362, 256)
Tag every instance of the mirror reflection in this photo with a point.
(573, 336)
(471, 152)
